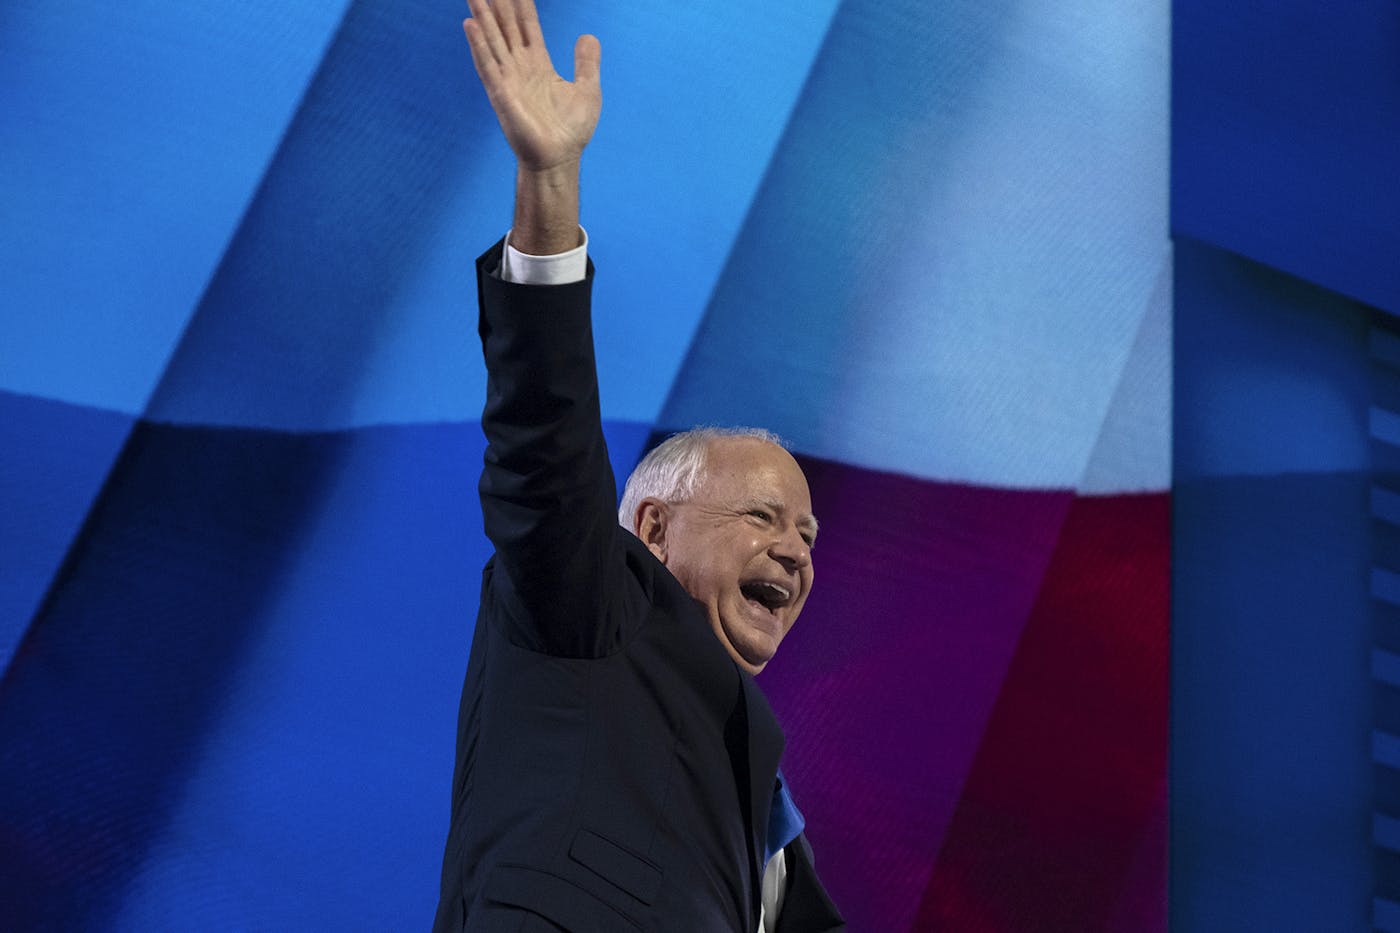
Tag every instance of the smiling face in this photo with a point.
(741, 545)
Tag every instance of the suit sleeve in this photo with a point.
(548, 498)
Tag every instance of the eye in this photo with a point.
(761, 514)
(810, 540)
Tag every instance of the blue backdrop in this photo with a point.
(238, 440)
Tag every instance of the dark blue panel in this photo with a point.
(107, 704)
(1270, 372)
(1285, 129)
(1271, 629)
(1271, 705)
(53, 459)
(236, 711)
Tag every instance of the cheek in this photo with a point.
(715, 578)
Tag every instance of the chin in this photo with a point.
(753, 661)
(747, 665)
(753, 652)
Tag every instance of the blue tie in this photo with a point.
(785, 821)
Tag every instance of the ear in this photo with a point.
(649, 525)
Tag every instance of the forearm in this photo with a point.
(546, 210)
(548, 496)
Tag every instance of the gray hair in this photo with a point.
(674, 469)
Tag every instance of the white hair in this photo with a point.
(674, 469)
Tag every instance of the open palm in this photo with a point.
(546, 120)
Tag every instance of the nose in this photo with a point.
(791, 550)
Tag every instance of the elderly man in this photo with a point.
(617, 766)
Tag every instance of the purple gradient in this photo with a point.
(886, 686)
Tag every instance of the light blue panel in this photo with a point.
(131, 137)
(291, 330)
(348, 295)
(949, 260)
(696, 99)
(1133, 452)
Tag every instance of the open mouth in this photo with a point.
(771, 596)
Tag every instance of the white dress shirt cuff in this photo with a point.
(559, 269)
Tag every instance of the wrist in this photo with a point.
(546, 209)
(554, 176)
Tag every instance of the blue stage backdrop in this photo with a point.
(239, 439)
(1285, 674)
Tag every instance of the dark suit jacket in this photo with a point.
(614, 766)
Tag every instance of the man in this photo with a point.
(616, 764)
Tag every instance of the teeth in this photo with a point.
(771, 595)
(779, 592)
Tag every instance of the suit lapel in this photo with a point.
(765, 749)
(807, 908)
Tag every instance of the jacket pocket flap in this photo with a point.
(557, 900)
(632, 873)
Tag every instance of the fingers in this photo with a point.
(489, 31)
(509, 19)
(588, 54)
(529, 23)
(481, 55)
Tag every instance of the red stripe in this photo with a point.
(1067, 784)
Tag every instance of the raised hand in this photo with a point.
(546, 120)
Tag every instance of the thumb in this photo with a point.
(587, 54)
